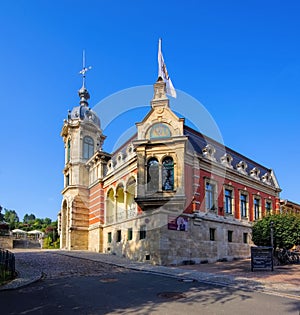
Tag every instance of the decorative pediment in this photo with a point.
(266, 178)
(209, 152)
(161, 121)
(226, 160)
(254, 173)
(242, 167)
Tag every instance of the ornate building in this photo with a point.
(287, 206)
(168, 195)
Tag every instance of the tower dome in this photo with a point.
(83, 112)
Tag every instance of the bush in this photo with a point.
(286, 231)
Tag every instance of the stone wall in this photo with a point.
(195, 245)
(6, 242)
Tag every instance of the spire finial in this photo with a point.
(84, 69)
(83, 92)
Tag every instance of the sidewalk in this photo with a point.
(284, 280)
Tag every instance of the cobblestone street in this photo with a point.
(55, 265)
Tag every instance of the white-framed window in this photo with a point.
(256, 208)
(244, 205)
(268, 207)
(88, 147)
(228, 200)
(210, 195)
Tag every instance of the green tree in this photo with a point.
(11, 218)
(28, 218)
(1, 214)
(286, 231)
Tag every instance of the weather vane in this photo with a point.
(84, 69)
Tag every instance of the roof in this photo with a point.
(198, 141)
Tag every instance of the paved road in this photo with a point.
(78, 286)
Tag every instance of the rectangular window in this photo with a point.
(69, 151)
(243, 205)
(67, 180)
(129, 234)
(109, 237)
(268, 207)
(143, 232)
(256, 208)
(245, 238)
(212, 235)
(229, 236)
(228, 201)
(119, 236)
(210, 191)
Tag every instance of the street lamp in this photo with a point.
(272, 242)
(271, 233)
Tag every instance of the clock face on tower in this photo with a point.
(160, 130)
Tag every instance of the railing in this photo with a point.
(131, 213)
(7, 265)
(121, 215)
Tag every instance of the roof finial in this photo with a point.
(84, 69)
(83, 92)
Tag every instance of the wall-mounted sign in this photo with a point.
(178, 223)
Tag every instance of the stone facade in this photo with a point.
(6, 242)
(169, 195)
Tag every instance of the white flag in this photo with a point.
(163, 73)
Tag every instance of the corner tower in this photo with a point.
(83, 137)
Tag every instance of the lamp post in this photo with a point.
(271, 234)
(272, 242)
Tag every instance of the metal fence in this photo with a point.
(7, 265)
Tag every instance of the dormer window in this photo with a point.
(254, 173)
(209, 152)
(130, 150)
(120, 158)
(226, 160)
(242, 167)
(88, 147)
(110, 166)
(266, 178)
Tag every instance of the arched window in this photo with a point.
(168, 173)
(130, 194)
(110, 206)
(152, 174)
(88, 147)
(120, 203)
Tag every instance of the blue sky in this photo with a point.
(240, 59)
